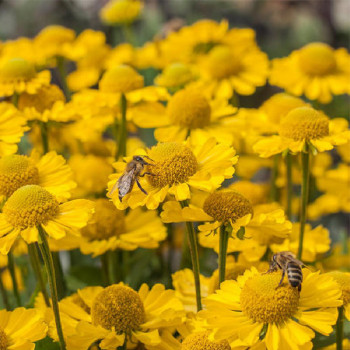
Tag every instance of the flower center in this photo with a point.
(222, 63)
(173, 163)
(304, 123)
(200, 341)
(227, 205)
(263, 301)
(29, 206)
(3, 340)
(15, 172)
(175, 75)
(17, 68)
(42, 100)
(254, 192)
(190, 109)
(121, 79)
(119, 307)
(317, 59)
(107, 221)
(343, 281)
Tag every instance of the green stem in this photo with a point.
(61, 67)
(33, 250)
(223, 243)
(115, 261)
(60, 282)
(128, 34)
(192, 239)
(14, 99)
(289, 185)
(122, 135)
(44, 137)
(305, 164)
(11, 267)
(3, 293)
(104, 268)
(339, 330)
(46, 254)
(274, 174)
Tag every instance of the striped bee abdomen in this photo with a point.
(295, 275)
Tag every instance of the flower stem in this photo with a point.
(46, 254)
(274, 174)
(3, 293)
(44, 137)
(223, 242)
(192, 239)
(305, 164)
(121, 151)
(289, 185)
(339, 330)
(11, 267)
(104, 268)
(60, 282)
(35, 261)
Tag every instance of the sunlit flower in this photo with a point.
(253, 309)
(111, 229)
(201, 341)
(20, 328)
(316, 70)
(176, 167)
(31, 206)
(121, 11)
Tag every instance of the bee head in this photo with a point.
(140, 159)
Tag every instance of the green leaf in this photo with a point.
(46, 344)
(241, 233)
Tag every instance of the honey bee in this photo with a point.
(131, 174)
(287, 262)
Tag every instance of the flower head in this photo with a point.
(200, 341)
(119, 12)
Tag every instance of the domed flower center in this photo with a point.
(172, 163)
(17, 69)
(29, 206)
(304, 123)
(227, 205)
(200, 341)
(3, 340)
(343, 280)
(121, 79)
(107, 221)
(175, 75)
(119, 307)
(42, 100)
(317, 59)
(263, 301)
(15, 172)
(222, 63)
(190, 109)
(254, 192)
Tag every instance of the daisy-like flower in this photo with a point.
(12, 128)
(49, 171)
(189, 111)
(20, 328)
(18, 75)
(316, 70)
(254, 309)
(111, 229)
(117, 314)
(121, 12)
(201, 341)
(301, 126)
(176, 167)
(31, 206)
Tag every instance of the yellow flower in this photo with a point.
(316, 70)
(338, 259)
(253, 309)
(18, 75)
(117, 312)
(49, 171)
(31, 206)
(21, 47)
(189, 111)
(200, 341)
(111, 229)
(346, 345)
(300, 126)
(46, 104)
(121, 12)
(176, 167)
(12, 128)
(20, 328)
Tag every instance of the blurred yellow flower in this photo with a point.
(121, 12)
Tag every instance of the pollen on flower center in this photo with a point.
(189, 108)
(343, 281)
(29, 206)
(118, 307)
(107, 221)
(227, 205)
(317, 59)
(15, 172)
(17, 68)
(3, 340)
(304, 123)
(263, 301)
(222, 63)
(172, 163)
(200, 341)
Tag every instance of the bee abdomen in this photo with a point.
(295, 275)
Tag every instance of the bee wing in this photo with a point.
(125, 183)
(298, 262)
(113, 189)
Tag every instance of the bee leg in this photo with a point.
(283, 273)
(147, 173)
(140, 187)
